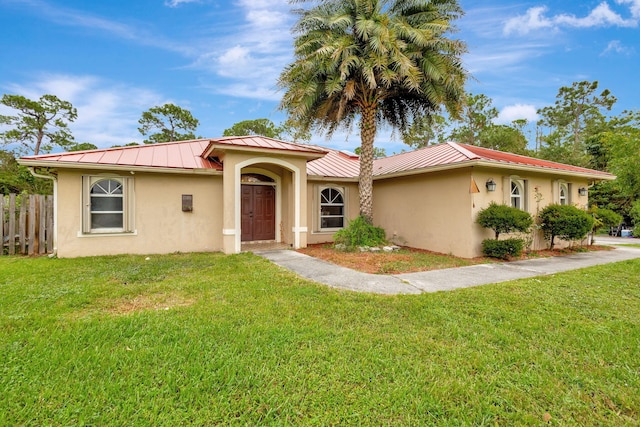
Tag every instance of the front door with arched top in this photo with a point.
(258, 209)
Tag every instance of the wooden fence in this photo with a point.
(27, 224)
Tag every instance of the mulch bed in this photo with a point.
(409, 260)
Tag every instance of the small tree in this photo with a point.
(504, 219)
(603, 218)
(167, 120)
(359, 232)
(39, 125)
(564, 221)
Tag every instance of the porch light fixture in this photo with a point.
(582, 191)
(491, 185)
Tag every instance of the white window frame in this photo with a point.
(563, 193)
(342, 192)
(88, 182)
(522, 198)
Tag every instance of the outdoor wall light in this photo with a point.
(582, 191)
(491, 185)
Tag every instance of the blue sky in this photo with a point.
(220, 59)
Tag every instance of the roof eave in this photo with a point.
(331, 178)
(492, 164)
(270, 151)
(538, 169)
(111, 167)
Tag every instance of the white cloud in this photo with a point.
(516, 112)
(615, 46)
(252, 54)
(601, 16)
(634, 6)
(107, 111)
(176, 3)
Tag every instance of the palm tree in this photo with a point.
(382, 61)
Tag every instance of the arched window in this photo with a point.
(331, 208)
(107, 204)
(564, 194)
(517, 193)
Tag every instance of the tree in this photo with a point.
(477, 115)
(166, 121)
(264, 127)
(82, 146)
(623, 144)
(504, 219)
(425, 131)
(503, 138)
(378, 152)
(576, 116)
(564, 221)
(382, 61)
(17, 179)
(39, 125)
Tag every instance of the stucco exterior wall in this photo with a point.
(429, 211)
(541, 190)
(352, 208)
(160, 225)
(287, 170)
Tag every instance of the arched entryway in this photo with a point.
(257, 207)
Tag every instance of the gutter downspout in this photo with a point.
(55, 207)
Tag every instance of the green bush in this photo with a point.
(504, 219)
(360, 233)
(502, 249)
(564, 221)
(604, 218)
(634, 213)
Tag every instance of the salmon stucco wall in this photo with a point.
(541, 190)
(429, 211)
(351, 208)
(160, 225)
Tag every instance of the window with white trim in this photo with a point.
(107, 204)
(563, 193)
(518, 194)
(331, 208)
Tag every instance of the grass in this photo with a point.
(208, 339)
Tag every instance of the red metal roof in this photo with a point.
(452, 153)
(256, 141)
(335, 164)
(435, 155)
(516, 159)
(178, 155)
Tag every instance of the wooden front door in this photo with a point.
(258, 208)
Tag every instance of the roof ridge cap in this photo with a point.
(463, 150)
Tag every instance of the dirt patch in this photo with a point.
(127, 305)
(403, 261)
(147, 302)
(408, 260)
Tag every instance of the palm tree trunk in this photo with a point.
(365, 185)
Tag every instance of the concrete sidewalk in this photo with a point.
(451, 278)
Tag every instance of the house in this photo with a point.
(221, 194)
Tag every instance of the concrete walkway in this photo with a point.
(451, 278)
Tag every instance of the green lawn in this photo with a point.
(209, 339)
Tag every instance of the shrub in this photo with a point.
(604, 218)
(564, 221)
(502, 249)
(634, 213)
(360, 233)
(504, 219)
